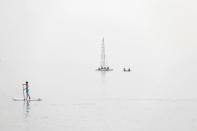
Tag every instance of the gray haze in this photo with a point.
(56, 44)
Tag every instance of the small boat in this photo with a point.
(126, 70)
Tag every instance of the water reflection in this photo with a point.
(103, 73)
(26, 107)
(26, 113)
(101, 107)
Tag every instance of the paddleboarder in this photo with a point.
(27, 89)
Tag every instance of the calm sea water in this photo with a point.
(155, 96)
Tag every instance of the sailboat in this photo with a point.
(103, 66)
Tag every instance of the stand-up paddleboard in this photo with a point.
(22, 99)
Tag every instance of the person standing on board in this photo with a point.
(27, 90)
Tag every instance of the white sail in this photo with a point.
(103, 54)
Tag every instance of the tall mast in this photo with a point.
(103, 53)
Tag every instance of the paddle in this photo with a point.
(23, 92)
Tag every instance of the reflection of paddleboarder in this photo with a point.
(27, 90)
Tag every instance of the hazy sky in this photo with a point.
(72, 30)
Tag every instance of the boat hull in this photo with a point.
(104, 70)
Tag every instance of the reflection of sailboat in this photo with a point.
(103, 66)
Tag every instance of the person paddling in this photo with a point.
(27, 90)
